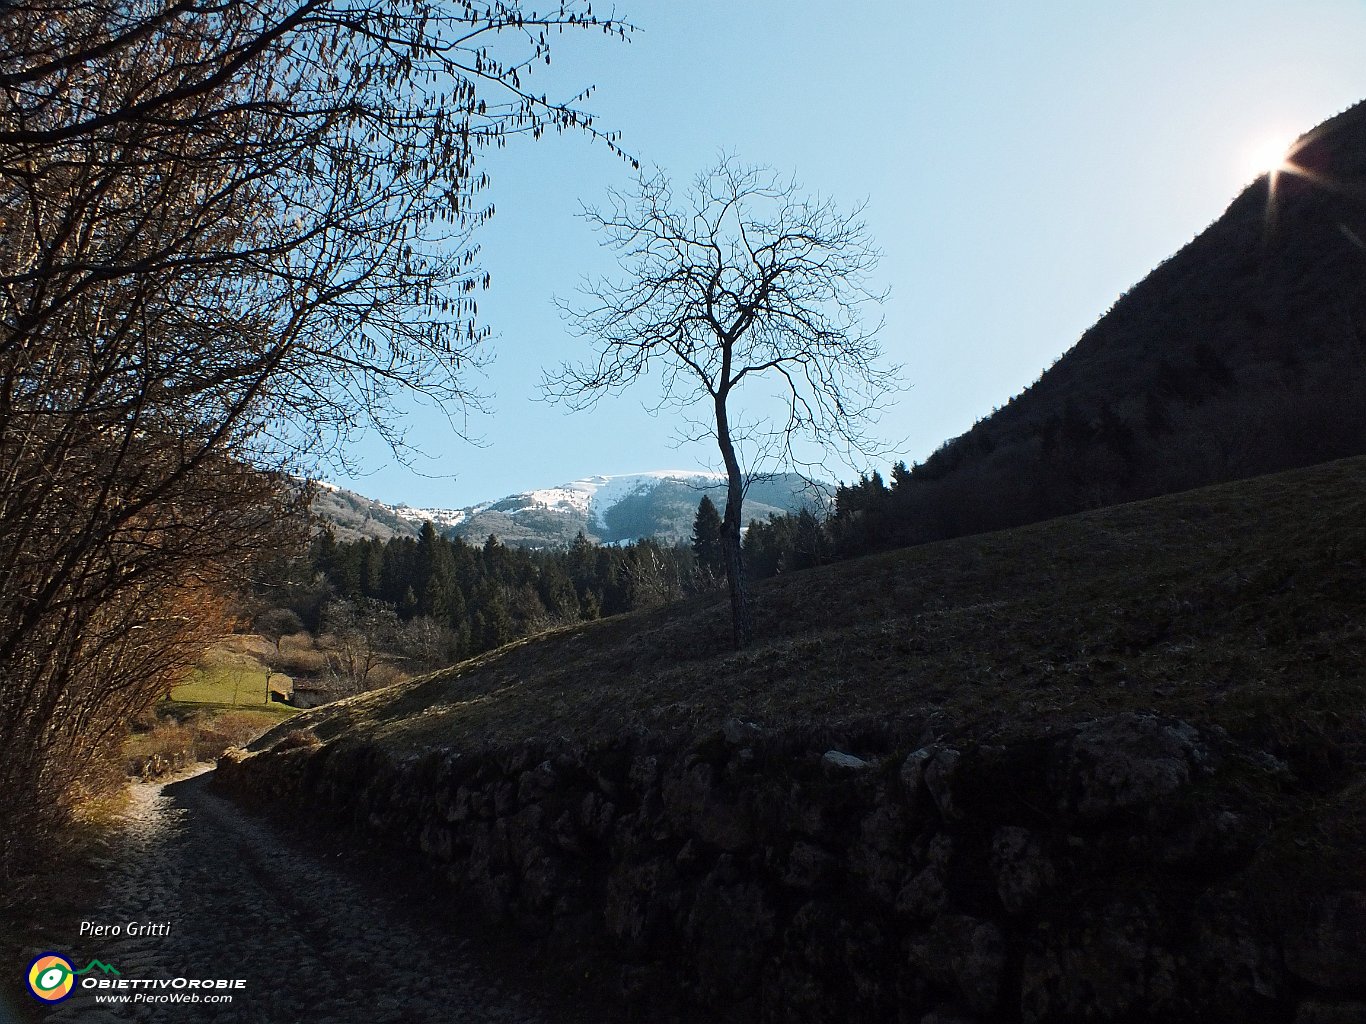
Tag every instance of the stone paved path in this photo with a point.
(312, 943)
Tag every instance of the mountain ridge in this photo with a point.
(606, 508)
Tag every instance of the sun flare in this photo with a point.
(1267, 154)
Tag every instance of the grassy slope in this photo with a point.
(1241, 605)
(234, 672)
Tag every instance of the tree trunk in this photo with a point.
(730, 532)
(735, 576)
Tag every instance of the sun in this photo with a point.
(1266, 154)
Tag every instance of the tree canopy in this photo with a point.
(230, 235)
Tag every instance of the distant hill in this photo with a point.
(353, 516)
(1244, 353)
(607, 509)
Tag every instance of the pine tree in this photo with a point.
(435, 575)
(493, 624)
(810, 547)
(590, 606)
(324, 551)
(768, 545)
(372, 569)
(557, 592)
(706, 538)
(435, 602)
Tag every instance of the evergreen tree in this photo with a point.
(324, 552)
(590, 606)
(557, 592)
(809, 543)
(473, 598)
(372, 580)
(436, 600)
(347, 571)
(901, 477)
(706, 538)
(493, 625)
(769, 545)
(436, 575)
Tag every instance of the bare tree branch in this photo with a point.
(746, 279)
(231, 234)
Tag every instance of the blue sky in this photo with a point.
(1023, 165)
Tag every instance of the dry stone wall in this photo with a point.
(1097, 872)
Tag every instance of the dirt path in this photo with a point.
(313, 941)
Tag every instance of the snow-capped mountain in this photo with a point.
(607, 509)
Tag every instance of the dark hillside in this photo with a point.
(1245, 353)
(1108, 768)
(1243, 604)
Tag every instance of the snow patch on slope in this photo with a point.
(597, 494)
(441, 518)
(590, 496)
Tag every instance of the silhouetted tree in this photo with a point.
(706, 537)
(810, 547)
(744, 279)
(769, 545)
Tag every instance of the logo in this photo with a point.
(98, 965)
(51, 977)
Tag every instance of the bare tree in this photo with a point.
(230, 234)
(277, 623)
(357, 634)
(743, 280)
